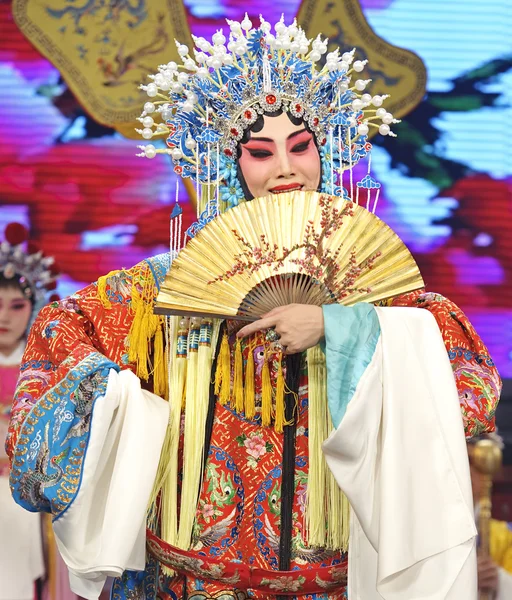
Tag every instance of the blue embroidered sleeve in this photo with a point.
(47, 468)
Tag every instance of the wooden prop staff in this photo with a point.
(486, 457)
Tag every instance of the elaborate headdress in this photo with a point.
(36, 272)
(203, 106)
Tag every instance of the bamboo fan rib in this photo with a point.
(298, 247)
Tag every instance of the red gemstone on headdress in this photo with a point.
(270, 99)
(248, 114)
(54, 269)
(316, 120)
(178, 169)
(323, 142)
(228, 152)
(16, 233)
(233, 131)
(298, 107)
(32, 247)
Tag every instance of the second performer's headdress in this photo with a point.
(22, 259)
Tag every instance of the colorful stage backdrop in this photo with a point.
(447, 178)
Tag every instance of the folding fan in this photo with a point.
(297, 247)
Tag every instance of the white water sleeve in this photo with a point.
(399, 454)
(103, 532)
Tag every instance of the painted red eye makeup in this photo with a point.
(255, 153)
(258, 148)
(301, 146)
(301, 141)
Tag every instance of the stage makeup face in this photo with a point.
(15, 312)
(281, 157)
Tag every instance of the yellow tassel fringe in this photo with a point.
(159, 366)
(266, 394)
(169, 456)
(223, 372)
(327, 509)
(192, 438)
(242, 395)
(249, 395)
(279, 421)
(238, 379)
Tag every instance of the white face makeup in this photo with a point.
(282, 157)
(15, 311)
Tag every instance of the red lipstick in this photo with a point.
(286, 188)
